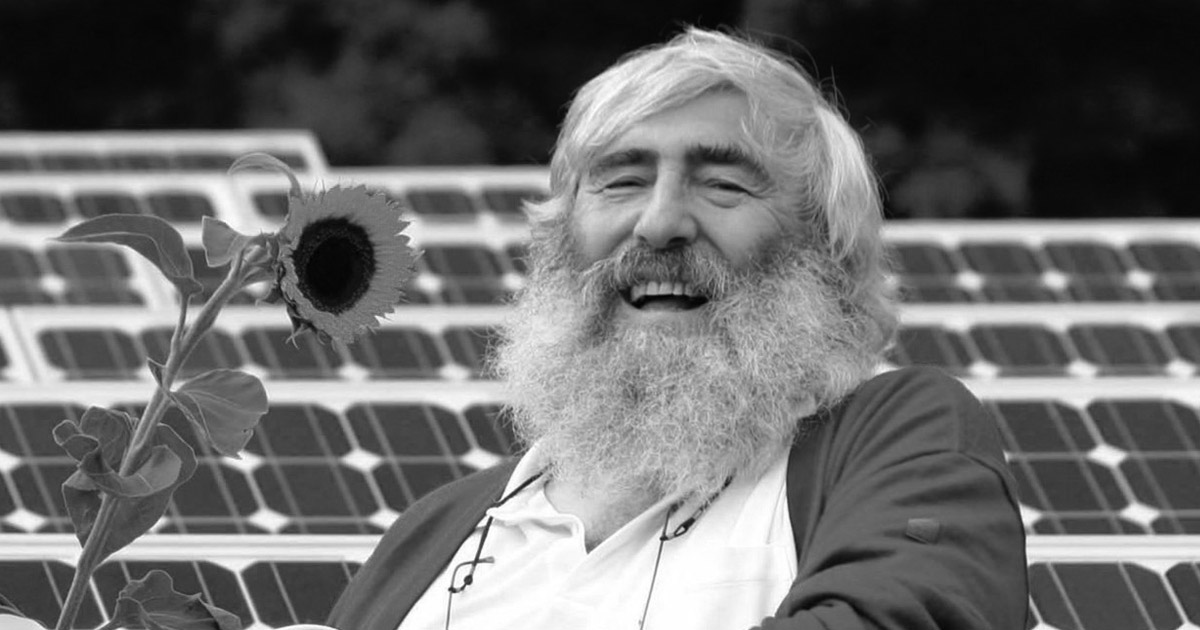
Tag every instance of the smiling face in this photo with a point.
(681, 179)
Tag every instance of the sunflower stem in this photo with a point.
(177, 334)
(182, 345)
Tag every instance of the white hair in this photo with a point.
(808, 147)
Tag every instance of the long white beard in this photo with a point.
(623, 409)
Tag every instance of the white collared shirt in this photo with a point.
(731, 569)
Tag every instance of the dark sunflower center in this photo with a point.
(334, 262)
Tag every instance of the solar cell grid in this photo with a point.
(1002, 259)
(305, 358)
(33, 207)
(1184, 579)
(1103, 289)
(470, 346)
(317, 494)
(1087, 258)
(38, 589)
(1186, 340)
(305, 470)
(197, 160)
(440, 203)
(1004, 288)
(469, 274)
(508, 203)
(491, 428)
(75, 161)
(20, 277)
(400, 353)
(14, 162)
(933, 345)
(1119, 349)
(1081, 596)
(100, 353)
(273, 593)
(1117, 466)
(272, 205)
(1096, 594)
(70, 274)
(179, 207)
(143, 161)
(1020, 350)
(93, 204)
(517, 254)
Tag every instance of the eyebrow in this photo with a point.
(725, 155)
(622, 158)
(695, 156)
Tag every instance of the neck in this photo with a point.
(602, 513)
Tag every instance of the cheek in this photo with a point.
(596, 237)
(740, 238)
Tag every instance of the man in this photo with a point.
(691, 367)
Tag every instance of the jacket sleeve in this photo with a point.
(917, 525)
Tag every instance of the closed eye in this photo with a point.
(726, 186)
(623, 183)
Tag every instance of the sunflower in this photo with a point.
(341, 259)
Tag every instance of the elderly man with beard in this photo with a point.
(692, 370)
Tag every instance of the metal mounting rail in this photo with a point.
(335, 393)
(241, 549)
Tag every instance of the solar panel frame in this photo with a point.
(112, 150)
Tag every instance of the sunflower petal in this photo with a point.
(344, 262)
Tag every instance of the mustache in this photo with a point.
(704, 269)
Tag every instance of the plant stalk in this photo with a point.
(182, 345)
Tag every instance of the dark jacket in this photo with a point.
(903, 511)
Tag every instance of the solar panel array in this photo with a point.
(1083, 339)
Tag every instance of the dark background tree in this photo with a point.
(971, 108)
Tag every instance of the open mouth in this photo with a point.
(664, 296)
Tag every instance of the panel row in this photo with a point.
(388, 353)
(1063, 595)
(1025, 349)
(1112, 466)
(1057, 271)
(63, 274)
(307, 469)
(271, 593)
(27, 205)
(103, 351)
(466, 273)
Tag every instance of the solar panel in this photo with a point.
(1079, 337)
(152, 151)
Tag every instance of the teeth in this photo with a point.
(638, 291)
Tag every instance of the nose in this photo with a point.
(666, 221)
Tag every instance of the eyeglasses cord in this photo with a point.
(680, 530)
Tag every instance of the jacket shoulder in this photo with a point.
(921, 405)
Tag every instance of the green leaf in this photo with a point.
(225, 406)
(75, 443)
(269, 162)
(11, 617)
(159, 471)
(221, 242)
(149, 236)
(153, 603)
(99, 428)
(134, 515)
